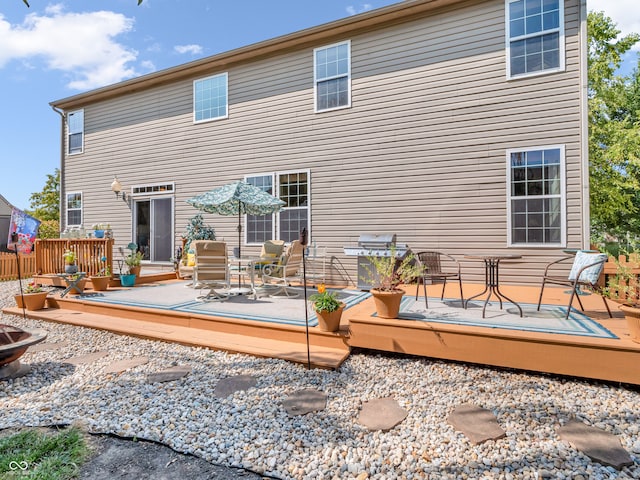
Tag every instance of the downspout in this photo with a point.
(62, 152)
(584, 129)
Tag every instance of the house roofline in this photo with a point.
(396, 13)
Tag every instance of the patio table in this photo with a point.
(244, 267)
(492, 278)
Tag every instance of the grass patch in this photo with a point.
(42, 455)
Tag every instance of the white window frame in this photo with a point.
(276, 216)
(562, 196)
(74, 132)
(317, 80)
(67, 209)
(561, 40)
(224, 75)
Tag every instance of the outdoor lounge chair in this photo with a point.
(271, 251)
(211, 269)
(585, 272)
(438, 267)
(285, 270)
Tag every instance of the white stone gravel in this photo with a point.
(251, 429)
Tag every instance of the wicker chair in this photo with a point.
(438, 266)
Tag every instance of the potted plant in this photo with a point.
(624, 288)
(127, 279)
(133, 259)
(99, 229)
(100, 281)
(328, 309)
(70, 261)
(385, 275)
(33, 297)
(78, 288)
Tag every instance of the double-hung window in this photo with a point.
(536, 196)
(332, 76)
(535, 36)
(210, 98)
(74, 209)
(75, 131)
(293, 189)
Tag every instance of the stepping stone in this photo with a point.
(88, 358)
(600, 446)
(46, 346)
(381, 414)
(304, 401)
(230, 385)
(168, 375)
(478, 424)
(126, 364)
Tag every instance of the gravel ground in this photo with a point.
(250, 429)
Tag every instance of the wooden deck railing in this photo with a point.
(9, 266)
(89, 254)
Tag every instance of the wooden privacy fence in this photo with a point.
(89, 253)
(9, 266)
(630, 263)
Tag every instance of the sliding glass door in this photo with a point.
(153, 228)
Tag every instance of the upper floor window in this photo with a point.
(535, 36)
(332, 76)
(210, 98)
(536, 197)
(74, 209)
(75, 134)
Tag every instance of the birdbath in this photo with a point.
(13, 344)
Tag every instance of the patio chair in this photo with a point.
(585, 272)
(271, 251)
(285, 270)
(211, 269)
(438, 267)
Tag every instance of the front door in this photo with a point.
(153, 228)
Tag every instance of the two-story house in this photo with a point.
(459, 125)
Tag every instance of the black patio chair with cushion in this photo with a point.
(438, 267)
(585, 272)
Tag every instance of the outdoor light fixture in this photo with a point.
(116, 187)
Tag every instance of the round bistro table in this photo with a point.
(492, 278)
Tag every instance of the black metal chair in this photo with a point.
(438, 266)
(585, 272)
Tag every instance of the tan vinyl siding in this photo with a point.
(421, 152)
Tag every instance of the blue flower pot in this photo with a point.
(127, 280)
(99, 233)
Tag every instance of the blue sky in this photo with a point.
(57, 49)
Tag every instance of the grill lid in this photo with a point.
(373, 240)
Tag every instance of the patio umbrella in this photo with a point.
(237, 198)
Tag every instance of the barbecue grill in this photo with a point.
(373, 245)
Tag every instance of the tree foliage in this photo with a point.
(614, 132)
(45, 205)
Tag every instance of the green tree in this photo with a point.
(45, 205)
(614, 131)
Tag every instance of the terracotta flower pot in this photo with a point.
(79, 287)
(135, 271)
(330, 321)
(632, 316)
(387, 303)
(32, 301)
(100, 283)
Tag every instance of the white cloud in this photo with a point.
(351, 10)
(625, 13)
(80, 44)
(192, 49)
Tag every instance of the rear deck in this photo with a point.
(581, 356)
